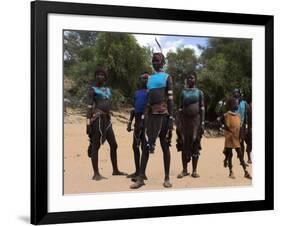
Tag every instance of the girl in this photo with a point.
(99, 126)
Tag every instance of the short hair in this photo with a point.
(161, 56)
(230, 103)
(236, 90)
(103, 70)
(186, 75)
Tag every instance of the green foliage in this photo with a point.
(124, 58)
(73, 42)
(225, 65)
(179, 63)
(118, 99)
(118, 52)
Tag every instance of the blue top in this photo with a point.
(102, 93)
(190, 96)
(157, 80)
(242, 111)
(140, 100)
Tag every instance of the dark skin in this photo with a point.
(233, 108)
(237, 95)
(137, 156)
(129, 126)
(132, 115)
(228, 152)
(157, 63)
(190, 82)
(101, 79)
(249, 146)
(133, 176)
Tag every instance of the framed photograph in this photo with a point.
(107, 81)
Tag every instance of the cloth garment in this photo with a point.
(232, 124)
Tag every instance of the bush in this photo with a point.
(118, 99)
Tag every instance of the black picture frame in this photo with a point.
(39, 112)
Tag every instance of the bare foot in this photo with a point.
(139, 183)
(132, 175)
(225, 163)
(119, 173)
(183, 174)
(245, 164)
(98, 177)
(195, 175)
(167, 183)
(248, 176)
(151, 150)
(134, 179)
(231, 175)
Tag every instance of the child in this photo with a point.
(140, 99)
(231, 122)
(248, 139)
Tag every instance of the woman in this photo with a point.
(99, 127)
(190, 123)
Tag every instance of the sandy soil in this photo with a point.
(78, 169)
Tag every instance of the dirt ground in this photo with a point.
(78, 169)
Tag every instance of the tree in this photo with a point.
(118, 52)
(74, 41)
(179, 63)
(225, 64)
(124, 58)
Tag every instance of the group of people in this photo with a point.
(153, 115)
